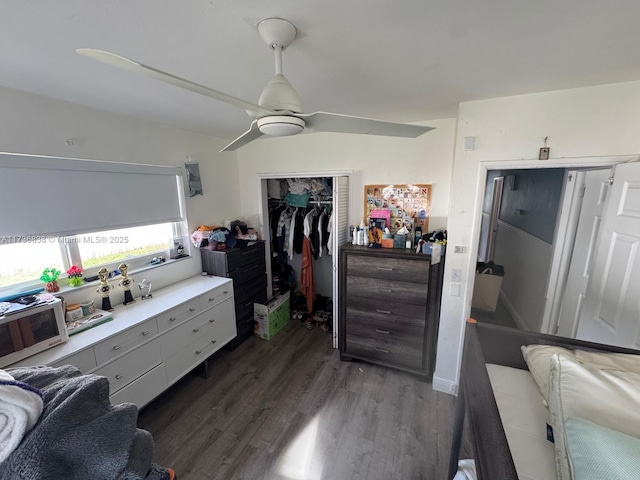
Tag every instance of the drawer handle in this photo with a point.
(144, 334)
(119, 376)
(225, 291)
(211, 299)
(248, 303)
(247, 253)
(386, 290)
(116, 347)
(196, 330)
(386, 312)
(387, 269)
(383, 350)
(198, 352)
(212, 320)
(192, 310)
(172, 319)
(213, 341)
(384, 332)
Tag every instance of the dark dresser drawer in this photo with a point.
(390, 350)
(387, 290)
(243, 274)
(245, 309)
(250, 290)
(237, 258)
(365, 308)
(400, 269)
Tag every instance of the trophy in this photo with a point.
(145, 289)
(104, 289)
(126, 284)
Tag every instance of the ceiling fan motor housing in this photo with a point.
(279, 95)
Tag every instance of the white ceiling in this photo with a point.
(403, 60)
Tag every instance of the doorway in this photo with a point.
(531, 220)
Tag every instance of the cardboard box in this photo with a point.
(271, 316)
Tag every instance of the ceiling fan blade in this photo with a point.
(335, 122)
(248, 136)
(137, 67)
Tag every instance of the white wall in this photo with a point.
(526, 260)
(583, 125)
(373, 159)
(38, 125)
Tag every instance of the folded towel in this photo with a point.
(20, 408)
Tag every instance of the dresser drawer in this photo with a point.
(215, 296)
(237, 258)
(400, 269)
(178, 314)
(118, 344)
(197, 352)
(247, 272)
(85, 360)
(144, 389)
(200, 326)
(247, 292)
(395, 345)
(245, 309)
(134, 364)
(387, 290)
(362, 307)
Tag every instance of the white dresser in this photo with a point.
(151, 344)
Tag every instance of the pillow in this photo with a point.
(538, 358)
(599, 453)
(591, 392)
(615, 361)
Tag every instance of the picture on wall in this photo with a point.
(408, 205)
(193, 179)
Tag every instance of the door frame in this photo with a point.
(570, 163)
(263, 209)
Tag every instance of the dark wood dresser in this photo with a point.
(390, 307)
(247, 268)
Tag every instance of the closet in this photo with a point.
(315, 204)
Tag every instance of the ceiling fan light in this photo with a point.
(280, 126)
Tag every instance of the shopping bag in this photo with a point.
(486, 288)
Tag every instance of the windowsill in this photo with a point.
(85, 285)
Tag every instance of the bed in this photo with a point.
(506, 415)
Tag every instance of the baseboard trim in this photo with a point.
(513, 312)
(445, 386)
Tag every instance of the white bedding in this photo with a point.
(524, 419)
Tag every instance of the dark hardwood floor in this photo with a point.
(289, 409)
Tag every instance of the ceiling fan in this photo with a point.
(279, 110)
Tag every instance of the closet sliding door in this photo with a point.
(340, 230)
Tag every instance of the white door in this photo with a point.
(340, 230)
(611, 312)
(595, 188)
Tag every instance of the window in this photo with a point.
(22, 262)
(116, 212)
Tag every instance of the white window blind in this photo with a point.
(61, 196)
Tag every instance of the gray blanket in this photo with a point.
(80, 435)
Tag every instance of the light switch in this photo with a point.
(454, 290)
(469, 143)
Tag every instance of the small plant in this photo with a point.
(50, 275)
(75, 276)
